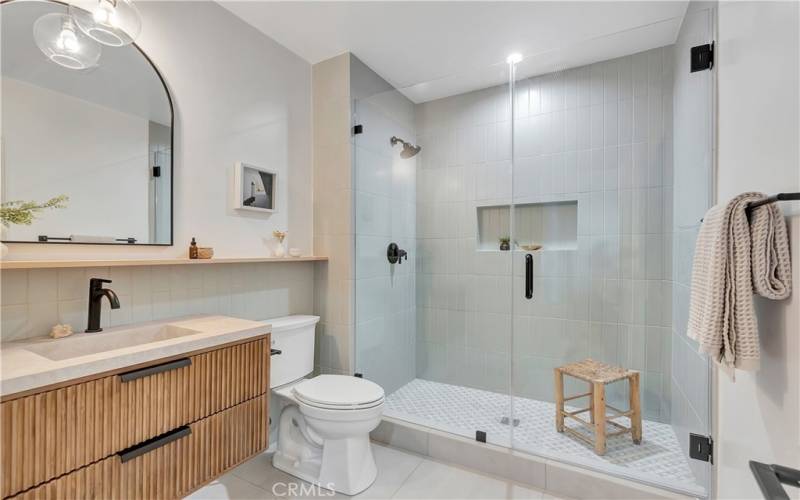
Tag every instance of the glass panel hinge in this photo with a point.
(701, 447)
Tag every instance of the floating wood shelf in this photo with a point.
(44, 264)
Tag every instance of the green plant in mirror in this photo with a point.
(24, 212)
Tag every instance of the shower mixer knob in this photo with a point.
(395, 254)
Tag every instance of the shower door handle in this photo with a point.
(528, 276)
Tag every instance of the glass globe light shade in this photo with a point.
(62, 42)
(110, 22)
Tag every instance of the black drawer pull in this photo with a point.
(275, 352)
(151, 444)
(152, 370)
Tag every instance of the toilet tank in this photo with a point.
(294, 337)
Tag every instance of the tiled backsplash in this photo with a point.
(35, 300)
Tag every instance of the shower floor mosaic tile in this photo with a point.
(463, 410)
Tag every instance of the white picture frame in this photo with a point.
(255, 188)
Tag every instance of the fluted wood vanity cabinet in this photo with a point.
(159, 430)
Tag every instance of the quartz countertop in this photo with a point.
(37, 363)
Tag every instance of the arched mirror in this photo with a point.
(87, 153)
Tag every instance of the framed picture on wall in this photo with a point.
(254, 188)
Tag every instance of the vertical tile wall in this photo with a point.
(35, 300)
(600, 135)
(385, 212)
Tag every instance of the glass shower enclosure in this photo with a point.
(594, 176)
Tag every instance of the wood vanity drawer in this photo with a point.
(48, 434)
(215, 444)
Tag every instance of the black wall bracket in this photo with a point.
(701, 447)
(702, 57)
(480, 436)
(358, 129)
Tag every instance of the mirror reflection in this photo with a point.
(87, 152)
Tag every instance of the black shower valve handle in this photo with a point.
(395, 254)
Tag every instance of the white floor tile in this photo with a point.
(433, 480)
(259, 472)
(394, 468)
(229, 487)
(401, 475)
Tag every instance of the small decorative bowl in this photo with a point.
(295, 252)
(530, 248)
(205, 252)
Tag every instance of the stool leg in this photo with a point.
(591, 403)
(599, 410)
(636, 407)
(559, 385)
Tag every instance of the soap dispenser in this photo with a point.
(193, 249)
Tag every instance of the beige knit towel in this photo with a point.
(734, 256)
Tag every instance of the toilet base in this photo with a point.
(344, 465)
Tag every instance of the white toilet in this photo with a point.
(323, 433)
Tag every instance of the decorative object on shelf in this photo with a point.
(505, 243)
(193, 249)
(60, 331)
(279, 251)
(111, 22)
(205, 252)
(59, 38)
(295, 252)
(531, 248)
(254, 188)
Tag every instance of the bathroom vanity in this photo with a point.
(152, 411)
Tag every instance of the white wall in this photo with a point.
(245, 99)
(758, 416)
(95, 155)
(238, 95)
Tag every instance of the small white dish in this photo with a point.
(295, 252)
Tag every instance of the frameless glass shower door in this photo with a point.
(434, 327)
(607, 200)
(545, 218)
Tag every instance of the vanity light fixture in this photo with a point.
(110, 22)
(62, 42)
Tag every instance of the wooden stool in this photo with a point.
(598, 375)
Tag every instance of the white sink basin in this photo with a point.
(85, 344)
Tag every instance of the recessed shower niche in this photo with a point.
(553, 225)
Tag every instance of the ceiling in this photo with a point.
(430, 50)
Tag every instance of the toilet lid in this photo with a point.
(338, 391)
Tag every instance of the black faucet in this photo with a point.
(96, 294)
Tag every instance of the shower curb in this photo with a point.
(552, 476)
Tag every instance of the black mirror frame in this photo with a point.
(171, 159)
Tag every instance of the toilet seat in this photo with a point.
(339, 392)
